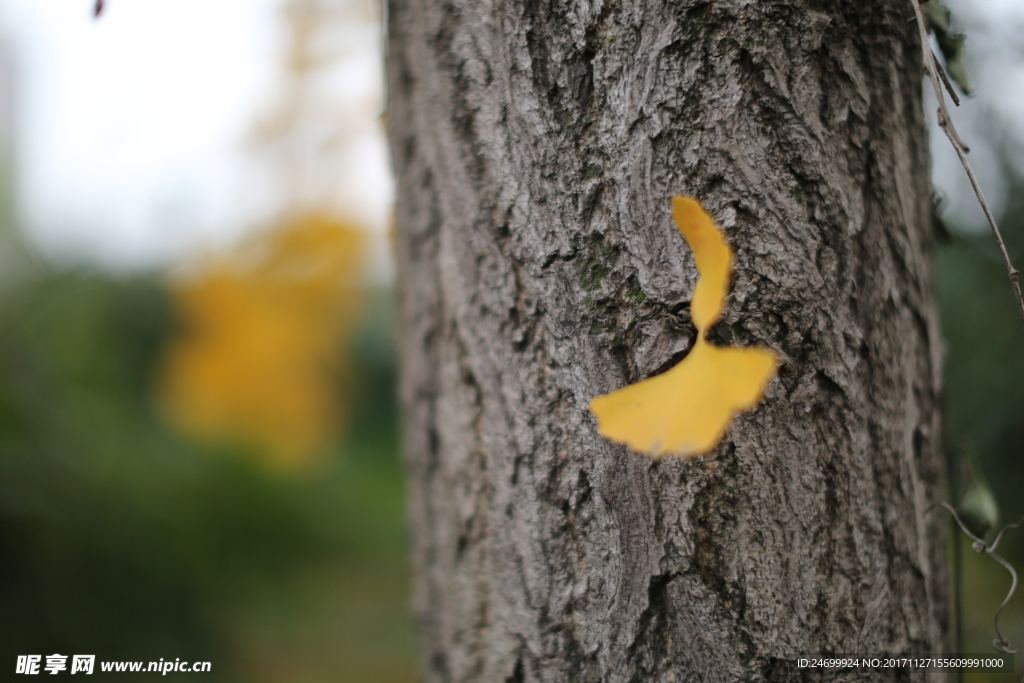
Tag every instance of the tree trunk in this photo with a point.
(537, 146)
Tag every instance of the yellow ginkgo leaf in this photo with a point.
(258, 359)
(685, 411)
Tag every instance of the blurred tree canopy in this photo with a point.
(120, 539)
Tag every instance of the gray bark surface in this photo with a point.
(537, 145)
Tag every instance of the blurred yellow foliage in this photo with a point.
(258, 360)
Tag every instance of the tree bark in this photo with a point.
(537, 145)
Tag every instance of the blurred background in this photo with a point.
(198, 439)
(984, 359)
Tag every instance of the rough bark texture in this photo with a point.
(537, 144)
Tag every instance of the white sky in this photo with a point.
(131, 129)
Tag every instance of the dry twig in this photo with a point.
(934, 71)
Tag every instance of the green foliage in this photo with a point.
(951, 43)
(984, 373)
(984, 417)
(119, 539)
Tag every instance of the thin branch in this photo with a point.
(931, 66)
(945, 80)
(1006, 528)
(978, 544)
(1001, 643)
